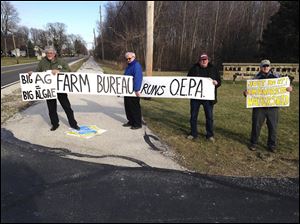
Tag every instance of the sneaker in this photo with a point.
(76, 127)
(127, 124)
(252, 147)
(135, 127)
(54, 127)
(191, 137)
(211, 139)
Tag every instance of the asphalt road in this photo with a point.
(39, 184)
(10, 74)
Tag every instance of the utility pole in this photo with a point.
(149, 40)
(27, 50)
(95, 44)
(13, 37)
(95, 40)
(101, 30)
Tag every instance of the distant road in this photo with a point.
(10, 74)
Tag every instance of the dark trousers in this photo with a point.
(259, 115)
(133, 111)
(208, 110)
(65, 103)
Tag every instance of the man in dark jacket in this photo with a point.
(260, 114)
(51, 62)
(204, 69)
(132, 104)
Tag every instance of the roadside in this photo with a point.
(229, 156)
(117, 146)
(12, 61)
(8, 61)
(11, 100)
(122, 175)
(169, 120)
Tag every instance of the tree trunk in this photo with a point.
(215, 31)
(262, 21)
(5, 46)
(194, 38)
(182, 31)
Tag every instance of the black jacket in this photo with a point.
(209, 72)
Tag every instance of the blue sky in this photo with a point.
(80, 16)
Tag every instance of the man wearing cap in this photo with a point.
(203, 68)
(260, 114)
(51, 62)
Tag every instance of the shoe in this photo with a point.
(135, 127)
(191, 137)
(252, 147)
(76, 127)
(54, 127)
(127, 124)
(272, 149)
(211, 139)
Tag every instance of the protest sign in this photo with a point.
(110, 84)
(38, 86)
(120, 85)
(268, 93)
(93, 83)
(178, 87)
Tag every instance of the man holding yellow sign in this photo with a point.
(265, 94)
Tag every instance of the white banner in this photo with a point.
(121, 85)
(268, 93)
(38, 86)
(178, 87)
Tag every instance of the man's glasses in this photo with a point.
(128, 59)
(265, 66)
(204, 59)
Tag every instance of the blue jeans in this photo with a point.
(208, 110)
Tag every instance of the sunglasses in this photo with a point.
(128, 59)
(265, 66)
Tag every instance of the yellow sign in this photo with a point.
(268, 93)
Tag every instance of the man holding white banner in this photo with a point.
(204, 69)
(262, 113)
(132, 104)
(51, 62)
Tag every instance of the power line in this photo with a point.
(118, 13)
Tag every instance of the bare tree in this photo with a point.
(39, 37)
(9, 20)
(215, 29)
(184, 11)
(226, 30)
(57, 32)
(22, 37)
(80, 45)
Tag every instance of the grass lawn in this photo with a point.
(229, 155)
(13, 61)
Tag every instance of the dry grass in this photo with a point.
(13, 61)
(12, 104)
(229, 155)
